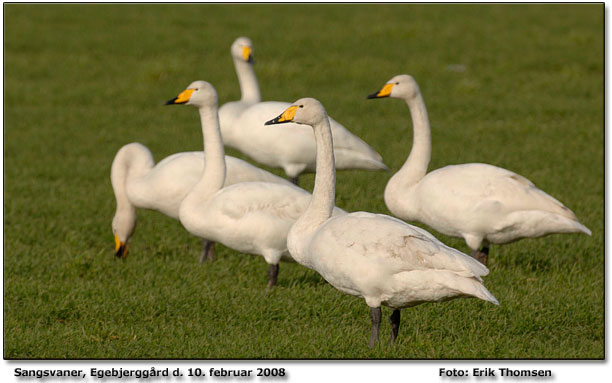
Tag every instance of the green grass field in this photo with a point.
(80, 81)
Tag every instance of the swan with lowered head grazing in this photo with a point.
(293, 148)
(480, 203)
(373, 256)
(250, 217)
(139, 183)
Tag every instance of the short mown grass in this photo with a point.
(518, 86)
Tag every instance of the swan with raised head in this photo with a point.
(373, 256)
(250, 217)
(480, 203)
(242, 55)
(293, 148)
(139, 183)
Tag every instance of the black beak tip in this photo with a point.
(275, 121)
(170, 102)
(373, 95)
(121, 252)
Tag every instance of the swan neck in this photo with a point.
(415, 167)
(322, 202)
(213, 176)
(249, 88)
(131, 163)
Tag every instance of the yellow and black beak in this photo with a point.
(247, 54)
(286, 116)
(384, 92)
(121, 248)
(182, 98)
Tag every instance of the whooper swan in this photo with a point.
(478, 202)
(250, 217)
(292, 148)
(139, 183)
(374, 256)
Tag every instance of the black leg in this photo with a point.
(272, 275)
(295, 180)
(394, 319)
(481, 255)
(474, 253)
(208, 251)
(376, 315)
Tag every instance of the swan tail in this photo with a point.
(356, 149)
(472, 287)
(480, 291)
(436, 286)
(350, 159)
(582, 229)
(536, 223)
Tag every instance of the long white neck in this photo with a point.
(415, 167)
(213, 176)
(249, 88)
(132, 162)
(322, 202)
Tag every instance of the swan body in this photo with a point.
(251, 217)
(399, 265)
(478, 202)
(291, 148)
(377, 257)
(485, 202)
(139, 183)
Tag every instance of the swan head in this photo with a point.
(307, 111)
(401, 86)
(198, 93)
(123, 228)
(242, 49)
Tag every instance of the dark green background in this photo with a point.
(80, 81)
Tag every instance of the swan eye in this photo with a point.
(397, 83)
(301, 106)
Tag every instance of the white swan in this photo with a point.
(139, 183)
(242, 54)
(251, 217)
(374, 256)
(292, 148)
(478, 202)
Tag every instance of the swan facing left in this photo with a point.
(480, 203)
(242, 55)
(140, 184)
(377, 257)
(291, 149)
(250, 217)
